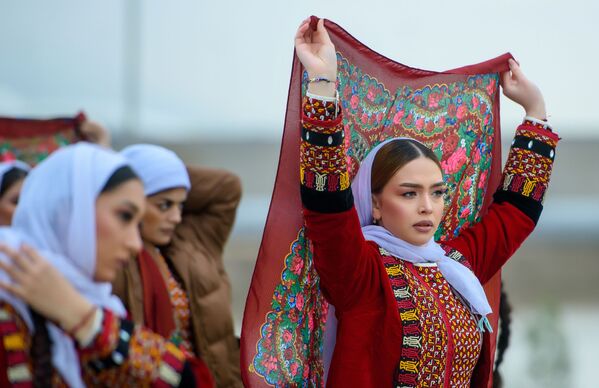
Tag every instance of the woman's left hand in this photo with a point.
(39, 284)
(95, 133)
(522, 91)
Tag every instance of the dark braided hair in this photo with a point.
(41, 352)
(503, 340)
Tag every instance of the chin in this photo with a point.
(164, 240)
(105, 277)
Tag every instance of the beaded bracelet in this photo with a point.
(319, 78)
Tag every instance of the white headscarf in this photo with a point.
(56, 216)
(159, 168)
(7, 166)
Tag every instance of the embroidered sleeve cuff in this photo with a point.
(121, 348)
(539, 124)
(528, 169)
(321, 108)
(112, 338)
(323, 164)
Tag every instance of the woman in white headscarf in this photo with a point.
(12, 175)
(177, 286)
(75, 227)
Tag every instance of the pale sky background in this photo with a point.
(208, 69)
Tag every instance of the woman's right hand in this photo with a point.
(39, 284)
(317, 54)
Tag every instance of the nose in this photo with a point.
(175, 215)
(426, 205)
(133, 241)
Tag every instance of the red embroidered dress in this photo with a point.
(400, 324)
(120, 355)
(181, 311)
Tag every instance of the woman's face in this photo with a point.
(118, 214)
(9, 201)
(163, 214)
(411, 204)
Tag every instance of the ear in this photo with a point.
(376, 207)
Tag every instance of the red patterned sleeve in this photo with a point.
(124, 354)
(518, 202)
(15, 363)
(341, 255)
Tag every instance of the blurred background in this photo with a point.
(209, 80)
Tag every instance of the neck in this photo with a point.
(150, 248)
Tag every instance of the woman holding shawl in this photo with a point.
(60, 325)
(177, 286)
(410, 312)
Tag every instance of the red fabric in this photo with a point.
(11, 127)
(201, 373)
(158, 310)
(31, 140)
(369, 332)
(285, 217)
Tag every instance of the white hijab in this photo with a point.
(56, 215)
(159, 168)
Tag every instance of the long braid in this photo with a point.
(503, 340)
(41, 352)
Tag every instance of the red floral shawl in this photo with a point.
(32, 140)
(455, 112)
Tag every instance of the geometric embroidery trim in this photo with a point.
(409, 363)
(320, 110)
(534, 145)
(18, 367)
(323, 168)
(321, 139)
(529, 164)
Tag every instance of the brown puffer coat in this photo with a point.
(196, 254)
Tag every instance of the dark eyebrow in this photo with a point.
(131, 205)
(418, 186)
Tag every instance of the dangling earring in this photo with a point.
(375, 221)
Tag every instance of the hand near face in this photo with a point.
(40, 285)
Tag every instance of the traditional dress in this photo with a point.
(192, 303)
(56, 216)
(399, 323)
(454, 112)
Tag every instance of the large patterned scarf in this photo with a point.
(455, 113)
(32, 140)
